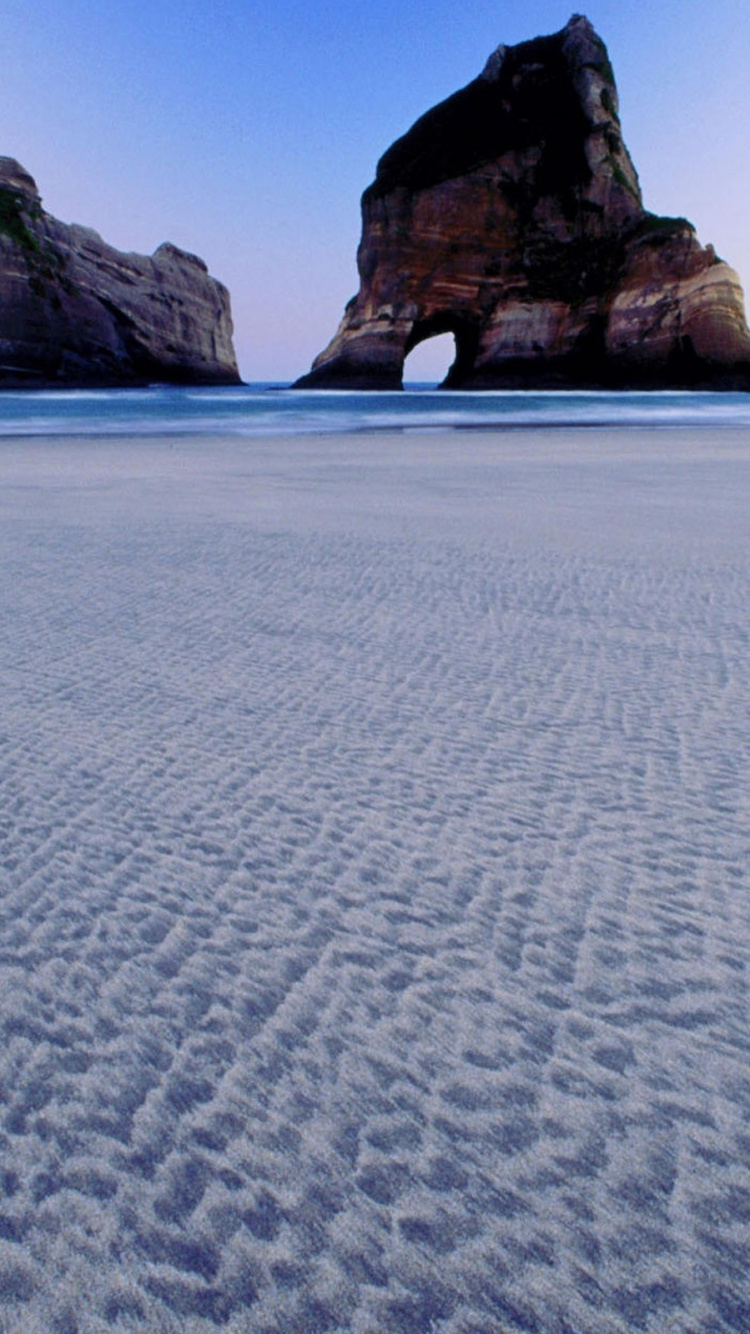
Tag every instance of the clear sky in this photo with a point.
(246, 130)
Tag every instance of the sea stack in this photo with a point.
(76, 312)
(511, 216)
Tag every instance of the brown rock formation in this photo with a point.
(75, 311)
(511, 216)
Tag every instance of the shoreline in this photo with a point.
(469, 482)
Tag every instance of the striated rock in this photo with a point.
(511, 215)
(75, 311)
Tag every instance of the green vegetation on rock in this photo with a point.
(12, 221)
(45, 264)
(621, 178)
(656, 222)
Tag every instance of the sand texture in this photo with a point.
(375, 925)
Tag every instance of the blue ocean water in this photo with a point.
(263, 409)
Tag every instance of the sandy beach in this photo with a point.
(375, 917)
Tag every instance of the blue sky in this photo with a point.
(246, 130)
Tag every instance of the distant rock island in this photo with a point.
(76, 312)
(511, 216)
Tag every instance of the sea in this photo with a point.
(270, 408)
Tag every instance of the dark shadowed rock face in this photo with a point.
(511, 216)
(75, 311)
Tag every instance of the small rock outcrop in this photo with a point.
(511, 216)
(76, 312)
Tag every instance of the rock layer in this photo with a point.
(511, 215)
(75, 311)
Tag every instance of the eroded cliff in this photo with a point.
(511, 215)
(75, 311)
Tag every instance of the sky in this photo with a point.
(246, 130)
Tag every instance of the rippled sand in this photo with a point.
(375, 884)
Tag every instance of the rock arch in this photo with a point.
(466, 338)
(511, 215)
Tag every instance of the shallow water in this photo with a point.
(273, 409)
(375, 928)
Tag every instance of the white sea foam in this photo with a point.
(375, 914)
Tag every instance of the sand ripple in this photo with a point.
(375, 915)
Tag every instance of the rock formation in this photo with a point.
(511, 216)
(75, 311)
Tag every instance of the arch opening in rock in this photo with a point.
(429, 363)
(438, 336)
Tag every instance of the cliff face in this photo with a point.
(75, 311)
(511, 216)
